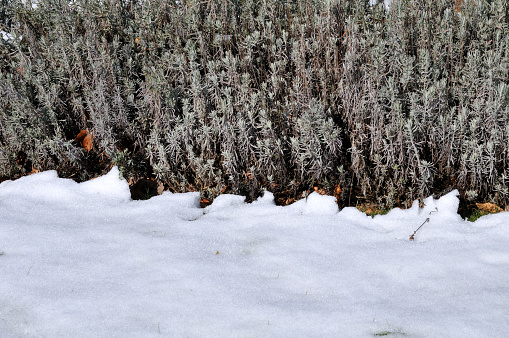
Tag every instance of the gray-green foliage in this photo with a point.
(390, 104)
(425, 96)
(211, 94)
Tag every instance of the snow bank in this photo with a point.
(225, 201)
(316, 204)
(82, 260)
(47, 187)
(111, 187)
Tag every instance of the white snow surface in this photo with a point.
(6, 36)
(84, 260)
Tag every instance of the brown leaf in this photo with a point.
(34, 171)
(489, 207)
(337, 192)
(160, 188)
(204, 202)
(80, 137)
(321, 191)
(87, 142)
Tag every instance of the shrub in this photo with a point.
(390, 104)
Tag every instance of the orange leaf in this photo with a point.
(87, 142)
(204, 202)
(80, 137)
(489, 207)
(320, 191)
(34, 171)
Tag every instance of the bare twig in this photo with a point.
(426, 221)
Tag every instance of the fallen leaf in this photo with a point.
(160, 188)
(87, 142)
(320, 191)
(204, 202)
(489, 207)
(84, 139)
(34, 171)
(337, 191)
(80, 137)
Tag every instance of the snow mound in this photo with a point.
(317, 204)
(438, 217)
(447, 205)
(266, 199)
(185, 200)
(110, 187)
(44, 187)
(225, 201)
(47, 187)
(353, 214)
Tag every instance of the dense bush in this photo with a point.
(425, 96)
(247, 95)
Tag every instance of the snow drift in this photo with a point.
(84, 260)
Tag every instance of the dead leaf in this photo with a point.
(160, 188)
(87, 142)
(80, 137)
(204, 202)
(34, 171)
(337, 192)
(320, 191)
(489, 207)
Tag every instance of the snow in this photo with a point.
(316, 204)
(6, 36)
(83, 260)
(387, 3)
